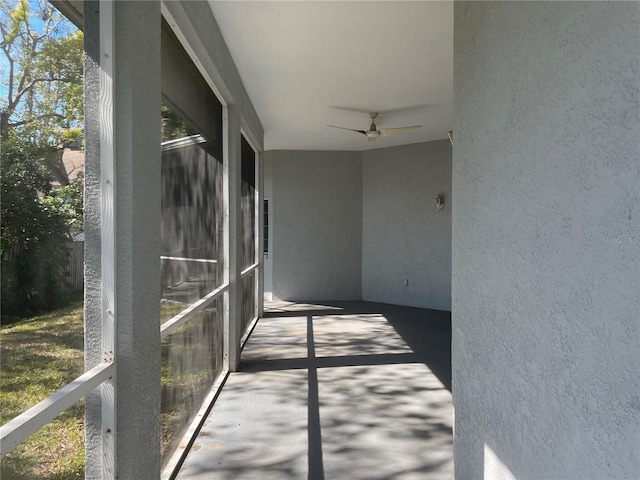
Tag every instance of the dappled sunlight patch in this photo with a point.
(251, 420)
(284, 337)
(356, 335)
(494, 468)
(397, 417)
(281, 306)
(333, 394)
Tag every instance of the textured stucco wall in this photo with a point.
(92, 226)
(317, 225)
(546, 240)
(132, 194)
(406, 244)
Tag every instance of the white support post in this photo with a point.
(122, 259)
(259, 234)
(137, 97)
(93, 346)
(232, 237)
(108, 234)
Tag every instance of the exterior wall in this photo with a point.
(546, 242)
(406, 244)
(317, 225)
(335, 212)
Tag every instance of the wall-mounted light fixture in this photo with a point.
(439, 203)
(450, 134)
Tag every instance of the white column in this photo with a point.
(260, 233)
(92, 227)
(123, 235)
(232, 236)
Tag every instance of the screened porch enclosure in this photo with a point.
(193, 243)
(197, 171)
(173, 261)
(544, 249)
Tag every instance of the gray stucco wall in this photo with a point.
(406, 244)
(317, 225)
(92, 226)
(546, 240)
(129, 196)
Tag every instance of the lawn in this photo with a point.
(41, 354)
(38, 356)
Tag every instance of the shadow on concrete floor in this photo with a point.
(336, 390)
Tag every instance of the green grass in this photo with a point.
(189, 367)
(168, 310)
(38, 356)
(41, 354)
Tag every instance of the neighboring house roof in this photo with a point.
(73, 163)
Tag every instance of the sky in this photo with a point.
(37, 25)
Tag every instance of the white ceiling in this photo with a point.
(306, 64)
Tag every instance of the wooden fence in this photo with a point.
(76, 266)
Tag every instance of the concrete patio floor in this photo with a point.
(337, 390)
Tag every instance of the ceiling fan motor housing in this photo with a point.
(373, 133)
(372, 127)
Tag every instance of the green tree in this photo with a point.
(173, 125)
(42, 60)
(42, 98)
(40, 113)
(68, 202)
(34, 234)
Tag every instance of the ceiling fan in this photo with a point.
(373, 131)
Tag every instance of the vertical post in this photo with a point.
(122, 299)
(232, 236)
(260, 233)
(136, 38)
(92, 227)
(108, 233)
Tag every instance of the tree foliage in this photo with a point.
(43, 62)
(173, 125)
(34, 235)
(67, 201)
(40, 113)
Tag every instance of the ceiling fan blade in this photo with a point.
(351, 129)
(392, 131)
